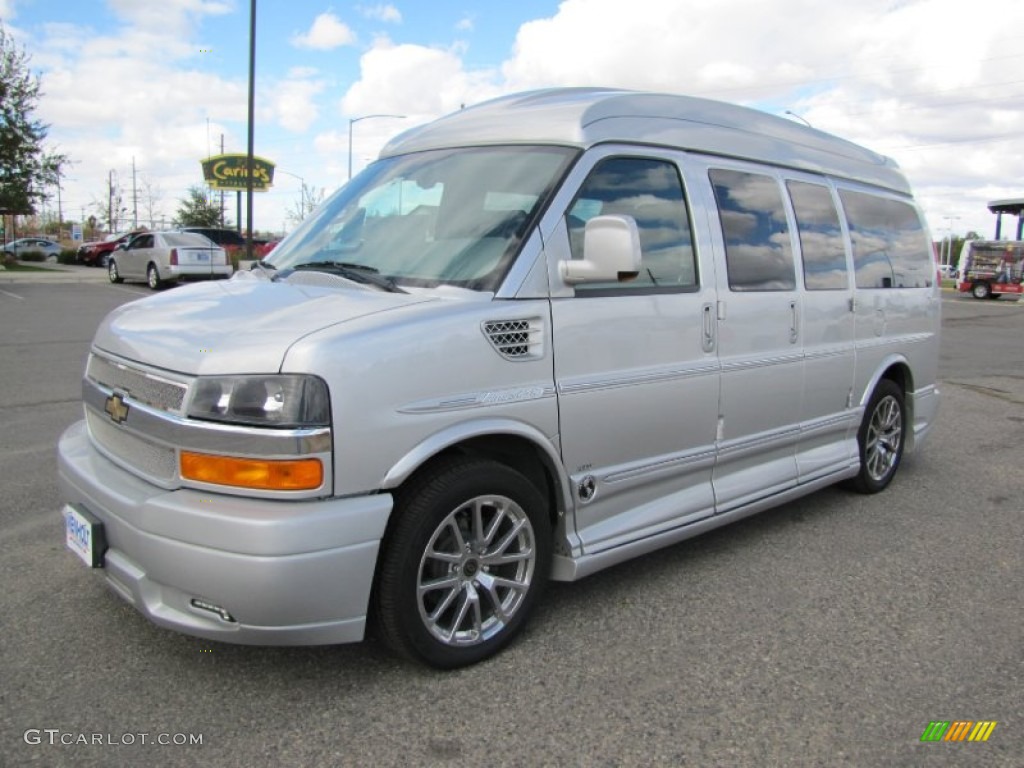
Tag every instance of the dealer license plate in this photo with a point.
(84, 535)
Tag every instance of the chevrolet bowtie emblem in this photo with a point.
(116, 408)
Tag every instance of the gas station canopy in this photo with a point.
(1013, 207)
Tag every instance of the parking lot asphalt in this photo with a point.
(827, 632)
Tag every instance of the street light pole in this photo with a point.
(949, 226)
(352, 121)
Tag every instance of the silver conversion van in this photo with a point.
(536, 338)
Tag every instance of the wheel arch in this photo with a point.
(514, 444)
(896, 369)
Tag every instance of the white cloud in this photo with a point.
(387, 13)
(326, 33)
(293, 101)
(465, 24)
(170, 16)
(415, 79)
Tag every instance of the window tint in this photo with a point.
(758, 253)
(821, 237)
(652, 193)
(890, 247)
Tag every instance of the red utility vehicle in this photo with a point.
(991, 268)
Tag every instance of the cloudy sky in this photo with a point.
(936, 84)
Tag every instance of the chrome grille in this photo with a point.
(145, 387)
(155, 461)
(516, 339)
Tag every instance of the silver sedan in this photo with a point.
(163, 257)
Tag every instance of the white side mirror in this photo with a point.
(611, 252)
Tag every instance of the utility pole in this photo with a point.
(110, 201)
(222, 191)
(135, 198)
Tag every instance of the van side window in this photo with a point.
(890, 247)
(652, 193)
(821, 237)
(758, 253)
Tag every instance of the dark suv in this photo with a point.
(226, 238)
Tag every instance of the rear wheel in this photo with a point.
(881, 438)
(112, 272)
(463, 564)
(153, 277)
(981, 290)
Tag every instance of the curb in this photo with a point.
(65, 273)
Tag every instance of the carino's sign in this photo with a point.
(232, 172)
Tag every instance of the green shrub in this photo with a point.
(32, 256)
(68, 256)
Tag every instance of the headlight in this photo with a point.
(285, 400)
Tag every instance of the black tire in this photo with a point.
(881, 438)
(981, 290)
(153, 277)
(112, 273)
(469, 513)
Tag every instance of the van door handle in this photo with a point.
(793, 323)
(707, 342)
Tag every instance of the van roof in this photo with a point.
(584, 117)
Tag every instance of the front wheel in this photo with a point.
(112, 272)
(981, 290)
(464, 561)
(881, 438)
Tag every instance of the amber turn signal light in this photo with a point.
(261, 474)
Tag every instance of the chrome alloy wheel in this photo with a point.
(476, 570)
(884, 438)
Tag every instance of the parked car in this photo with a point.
(163, 257)
(26, 245)
(220, 235)
(94, 254)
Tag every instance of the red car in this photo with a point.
(95, 254)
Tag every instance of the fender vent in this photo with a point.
(516, 339)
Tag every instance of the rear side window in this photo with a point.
(890, 246)
(821, 237)
(651, 192)
(758, 253)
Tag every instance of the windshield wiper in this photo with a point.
(266, 269)
(357, 273)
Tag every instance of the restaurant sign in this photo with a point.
(232, 172)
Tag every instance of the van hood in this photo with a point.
(242, 325)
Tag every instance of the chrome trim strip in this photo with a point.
(895, 341)
(775, 439)
(729, 366)
(819, 353)
(835, 423)
(695, 459)
(479, 399)
(649, 377)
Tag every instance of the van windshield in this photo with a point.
(453, 216)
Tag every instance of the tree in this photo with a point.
(309, 199)
(197, 210)
(22, 161)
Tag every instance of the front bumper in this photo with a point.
(286, 572)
